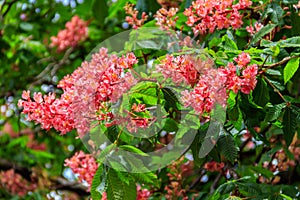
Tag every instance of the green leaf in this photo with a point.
(214, 42)
(117, 7)
(249, 189)
(228, 44)
(117, 189)
(274, 112)
(145, 93)
(98, 185)
(147, 6)
(296, 111)
(170, 125)
(290, 69)
(262, 32)
(145, 178)
(231, 101)
(261, 93)
(273, 72)
(286, 197)
(133, 149)
(41, 154)
(289, 125)
(170, 97)
(100, 10)
(236, 117)
(227, 147)
(26, 26)
(195, 147)
(290, 42)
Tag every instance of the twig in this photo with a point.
(9, 5)
(202, 173)
(52, 67)
(60, 183)
(215, 183)
(275, 89)
(280, 62)
(6, 165)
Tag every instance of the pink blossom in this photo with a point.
(247, 81)
(133, 19)
(207, 15)
(104, 79)
(242, 60)
(76, 31)
(15, 184)
(165, 18)
(252, 30)
(84, 165)
(181, 69)
(48, 111)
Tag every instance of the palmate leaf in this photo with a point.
(117, 189)
(289, 125)
(290, 69)
(227, 147)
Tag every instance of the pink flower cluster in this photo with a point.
(76, 31)
(165, 18)
(182, 69)
(209, 90)
(133, 19)
(207, 15)
(210, 85)
(48, 111)
(142, 194)
(84, 165)
(14, 183)
(247, 81)
(139, 117)
(252, 30)
(104, 79)
(214, 166)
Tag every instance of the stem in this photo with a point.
(275, 89)
(119, 134)
(280, 62)
(215, 183)
(9, 5)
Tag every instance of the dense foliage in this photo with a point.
(213, 86)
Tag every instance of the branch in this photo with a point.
(215, 183)
(60, 183)
(275, 89)
(279, 63)
(9, 5)
(52, 67)
(25, 172)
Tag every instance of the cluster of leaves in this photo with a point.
(257, 125)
